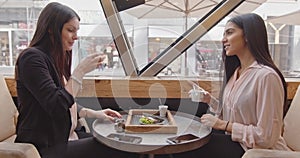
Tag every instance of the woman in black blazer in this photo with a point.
(46, 89)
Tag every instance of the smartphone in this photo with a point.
(125, 138)
(182, 138)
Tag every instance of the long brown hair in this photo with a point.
(255, 33)
(48, 35)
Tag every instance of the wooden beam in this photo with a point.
(153, 87)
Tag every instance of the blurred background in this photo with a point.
(151, 32)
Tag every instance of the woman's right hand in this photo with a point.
(88, 64)
(199, 95)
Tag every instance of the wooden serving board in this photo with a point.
(132, 124)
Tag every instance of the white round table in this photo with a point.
(153, 143)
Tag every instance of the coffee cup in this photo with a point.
(197, 95)
(163, 110)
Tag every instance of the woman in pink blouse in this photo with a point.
(253, 99)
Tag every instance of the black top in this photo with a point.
(43, 103)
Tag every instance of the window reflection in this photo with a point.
(106, 47)
(4, 45)
(203, 58)
(208, 58)
(20, 40)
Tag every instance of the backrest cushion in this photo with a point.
(8, 111)
(291, 131)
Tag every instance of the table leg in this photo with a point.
(153, 155)
(148, 155)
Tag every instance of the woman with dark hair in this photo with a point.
(46, 90)
(253, 98)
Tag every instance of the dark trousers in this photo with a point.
(89, 147)
(220, 145)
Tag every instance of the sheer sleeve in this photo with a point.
(214, 106)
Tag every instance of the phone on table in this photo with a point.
(182, 138)
(125, 138)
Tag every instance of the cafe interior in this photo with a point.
(143, 87)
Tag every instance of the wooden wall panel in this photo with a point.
(147, 87)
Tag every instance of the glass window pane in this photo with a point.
(149, 36)
(4, 45)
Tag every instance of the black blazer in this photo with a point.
(43, 103)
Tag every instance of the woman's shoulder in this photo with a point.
(32, 56)
(267, 72)
(32, 52)
(264, 69)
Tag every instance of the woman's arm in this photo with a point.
(205, 97)
(99, 114)
(37, 75)
(214, 105)
(88, 64)
(269, 111)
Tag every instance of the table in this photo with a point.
(152, 144)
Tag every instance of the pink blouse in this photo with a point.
(254, 104)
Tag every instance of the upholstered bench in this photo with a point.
(8, 119)
(291, 135)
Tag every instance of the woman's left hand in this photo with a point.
(213, 121)
(108, 114)
(209, 120)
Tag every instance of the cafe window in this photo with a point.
(156, 46)
(4, 45)
(105, 46)
(20, 41)
(208, 58)
(202, 58)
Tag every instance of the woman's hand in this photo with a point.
(199, 95)
(209, 120)
(111, 114)
(213, 121)
(88, 64)
(106, 114)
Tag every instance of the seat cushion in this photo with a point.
(291, 131)
(266, 153)
(18, 150)
(10, 139)
(8, 112)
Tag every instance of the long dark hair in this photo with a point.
(255, 33)
(48, 35)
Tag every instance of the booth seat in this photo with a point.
(8, 120)
(291, 134)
